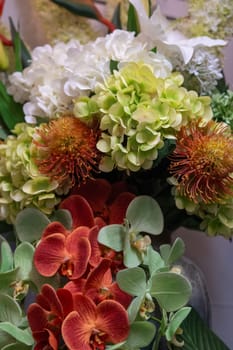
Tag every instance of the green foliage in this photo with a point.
(21, 53)
(11, 112)
(30, 224)
(132, 23)
(116, 18)
(222, 104)
(197, 336)
(143, 215)
(77, 8)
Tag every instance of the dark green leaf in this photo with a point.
(175, 322)
(116, 19)
(197, 336)
(21, 53)
(113, 65)
(133, 24)
(11, 112)
(16, 346)
(77, 8)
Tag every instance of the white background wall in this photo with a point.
(213, 255)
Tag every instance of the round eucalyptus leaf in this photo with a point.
(30, 224)
(132, 281)
(176, 251)
(23, 258)
(144, 215)
(134, 307)
(112, 236)
(141, 334)
(21, 335)
(132, 257)
(5, 339)
(6, 257)
(64, 217)
(10, 310)
(171, 290)
(176, 321)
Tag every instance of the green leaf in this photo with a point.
(30, 224)
(23, 257)
(141, 334)
(113, 65)
(134, 307)
(176, 321)
(131, 256)
(132, 281)
(197, 336)
(5, 339)
(64, 217)
(21, 53)
(77, 8)
(155, 262)
(132, 23)
(112, 236)
(6, 257)
(10, 310)
(16, 346)
(177, 251)
(145, 215)
(171, 290)
(165, 252)
(23, 336)
(116, 19)
(11, 112)
(7, 278)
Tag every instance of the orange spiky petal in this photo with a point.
(202, 162)
(66, 150)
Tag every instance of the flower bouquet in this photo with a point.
(106, 148)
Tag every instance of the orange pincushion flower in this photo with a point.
(66, 150)
(202, 162)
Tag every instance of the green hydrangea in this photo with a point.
(137, 111)
(222, 105)
(20, 183)
(217, 218)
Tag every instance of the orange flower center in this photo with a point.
(66, 150)
(202, 162)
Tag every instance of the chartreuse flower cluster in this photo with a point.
(40, 164)
(112, 282)
(21, 185)
(137, 112)
(202, 168)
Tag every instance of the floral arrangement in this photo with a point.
(106, 148)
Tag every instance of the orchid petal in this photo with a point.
(80, 210)
(50, 254)
(54, 227)
(113, 320)
(119, 207)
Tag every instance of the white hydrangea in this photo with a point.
(60, 73)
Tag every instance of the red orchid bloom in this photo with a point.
(62, 251)
(46, 315)
(99, 285)
(91, 327)
(108, 201)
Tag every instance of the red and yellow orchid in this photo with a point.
(62, 251)
(100, 286)
(91, 326)
(46, 315)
